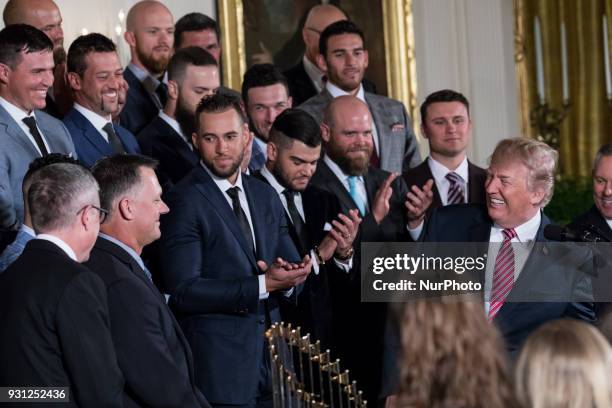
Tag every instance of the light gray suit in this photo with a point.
(16, 154)
(398, 150)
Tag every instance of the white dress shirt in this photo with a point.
(96, 120)
(60, 243)
(149, 82)
(345, 266)
(18, 115)
(223, 184)
(523, 244)
(343, 177)
(314, 73)
(439, 172)
(336, 92)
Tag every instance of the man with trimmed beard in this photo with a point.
(46, 16)
(192, 74)
(227, 260)
(316, 224)
(150, 35)
(387, 209)
(95, 76)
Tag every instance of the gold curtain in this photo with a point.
(588, 123)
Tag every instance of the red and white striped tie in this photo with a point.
(503, 274)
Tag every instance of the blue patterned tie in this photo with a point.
(352, 180)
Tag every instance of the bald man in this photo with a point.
(45, 15)
(387, 209)
(306, 79)
(150, 35)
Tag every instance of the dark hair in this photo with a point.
(84, 45)
(262, 75)
(57, 193)
(18, 38)
(295, 124)
(444, 95)
(338, 28)
(218, 103)
(193, 22)
(604, 151)
(184, 57)
(40, 162)
(118, 174)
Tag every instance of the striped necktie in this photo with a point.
(503, 273)
(455, 191)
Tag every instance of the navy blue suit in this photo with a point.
(139, 109)
(212, 275)
(89, 143)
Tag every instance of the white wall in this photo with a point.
(468, 46)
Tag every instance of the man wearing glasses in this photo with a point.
(53, 310)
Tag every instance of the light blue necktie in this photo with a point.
(352, 180)
(147, 272)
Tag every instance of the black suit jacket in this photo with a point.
(139, 109)
(352, 318)
(55, 328)
(476, 183)
(594, 217)
(152, 352)
(313, 312)
(301, 87)
(159, 140)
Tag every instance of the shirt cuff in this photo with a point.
(315, 264)
(416, 232)
(263, 293)
(344, 265)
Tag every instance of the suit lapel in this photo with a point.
(258, 218)
(335, 185)
(15, 132)
(219, 204)
(90, 133)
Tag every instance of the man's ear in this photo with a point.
(366, 59)
(272, 151)
(125, 209)
(74, 80)
(325, 132)
(321, 63)
(173, 89)
(423, 132)
(5, 73)
(130, 38)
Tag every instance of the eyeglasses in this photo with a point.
(102, 211)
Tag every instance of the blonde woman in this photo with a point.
(565, 364)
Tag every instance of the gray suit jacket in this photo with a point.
(16, 154)
(398, 148)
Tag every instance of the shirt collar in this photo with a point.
(173, 123)
(336, 92)
(342, 176)
(142, 74)
(96, 120)
(609, 223)
(528, 230)
(439, 171)
(224, 183)
(313, 72)
(272, 180)
(125, 247)
(15, 111)
(60, 243)
(24, 228)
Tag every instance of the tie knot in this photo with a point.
(289, 193)
(453, 177)
(30, 121)
(352, 180)
(108, 128)
(509, 233)
(233, 192)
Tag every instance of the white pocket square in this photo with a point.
(327, 227)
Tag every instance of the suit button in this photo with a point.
(262, 321)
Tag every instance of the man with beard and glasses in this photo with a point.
(388, 210)
(265, 94)
(95, 76)
(316, 225)
(46, 16)
(343, 58)
(192, 74)
(150, 35)
(227, 260)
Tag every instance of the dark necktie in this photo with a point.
(113, 139)
(30, 122)
(296, 219)
(455, 191)
(241, 216)
(162, 93)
